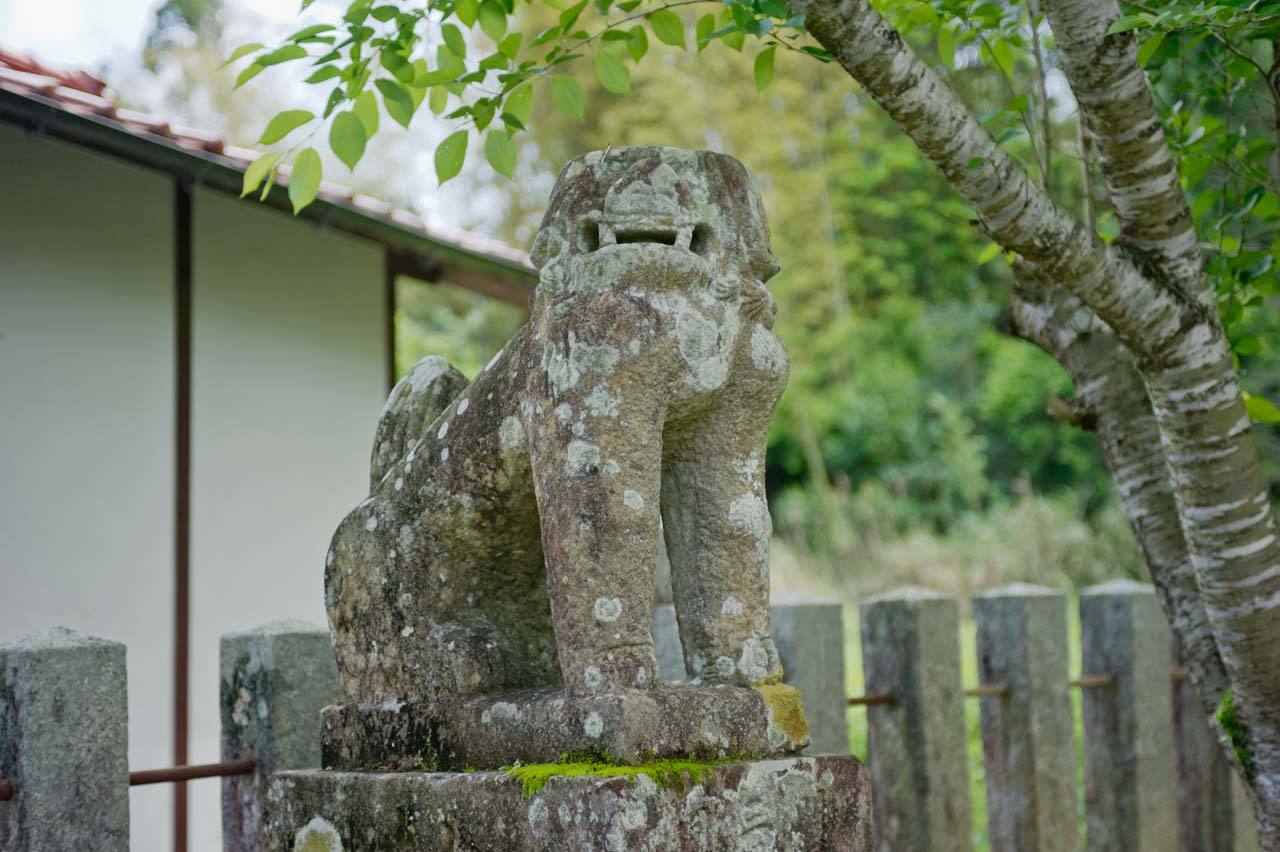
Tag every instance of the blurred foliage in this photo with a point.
(913, 423)
(440, 319)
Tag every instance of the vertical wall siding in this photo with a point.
(288, 379)
(86, 421)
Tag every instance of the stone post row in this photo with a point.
(64, 743)
(1028, 738)
(919, 777)
(275, 680)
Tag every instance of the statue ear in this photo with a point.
(546, 246)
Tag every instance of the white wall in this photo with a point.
(86, 421)
(288, 379)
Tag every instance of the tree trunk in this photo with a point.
(1149, 288)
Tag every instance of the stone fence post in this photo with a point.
(64, 744)
(275, 680)
(1130, 769)
(919, 777)
(1028, 736)
(809, 634)
(1204, 776)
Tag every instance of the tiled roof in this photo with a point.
(83, 94)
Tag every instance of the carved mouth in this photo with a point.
(695, 238)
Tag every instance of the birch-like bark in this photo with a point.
(1110, 388)
(1143, 295)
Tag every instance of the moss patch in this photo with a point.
(669, 772)
(1237, 733)
(786, 710)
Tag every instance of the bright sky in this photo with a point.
(87, 33)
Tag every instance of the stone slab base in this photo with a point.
(801, 803)
(541, 726)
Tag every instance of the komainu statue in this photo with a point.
(491, 600)
(509, 539)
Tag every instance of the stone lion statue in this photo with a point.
(510, 534)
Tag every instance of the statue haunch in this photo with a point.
(511, 533)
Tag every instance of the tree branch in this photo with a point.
(1142, 176)
(1011, 209)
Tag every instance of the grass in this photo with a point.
(857, 716)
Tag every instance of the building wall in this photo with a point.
(288, 379)
(86, 420)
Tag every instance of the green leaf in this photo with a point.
(1261, 410)
(764, 68)
(500, 151)
(399, 103)
(242, 50)
(570, 15)
(613, 72)
(437, 100)
(304, 180)
(702, 31)
(1149, 48)
(668, 27)
(288, 53)
(493, 19)
(366, 109)
(1125, 23)
(454, 40)
(637, 43)
(566, 92)
(283, 124)
(250, 71)
(347, 138)
(520, 103)
(510, 46)
(948, 37)
(467, 11)
(307, 32)
(257, 170)
(990, 253)
(384, 13)
(328, 72)
(450, 154)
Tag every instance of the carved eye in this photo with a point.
(704, 240)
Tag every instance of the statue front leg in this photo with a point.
(717, 528)
(595, 432)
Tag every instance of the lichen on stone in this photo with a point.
(672, 772)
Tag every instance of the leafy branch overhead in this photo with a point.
(400, 57)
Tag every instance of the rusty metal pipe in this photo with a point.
(189, 773)
(987, 690)
(1092, 681)
(871, 698)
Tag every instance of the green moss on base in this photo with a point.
(1237, 733)
(669, 772)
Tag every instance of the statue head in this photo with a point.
(654, 218)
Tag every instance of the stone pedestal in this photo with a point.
(541, 726)
(788, 804)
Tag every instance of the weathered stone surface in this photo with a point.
(1130, 766)
(1028, 736)
(794, 804)
(809, 636)
(64, 741)
(275, 680)
(919, 777)
(540, 726)
(511, 542)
